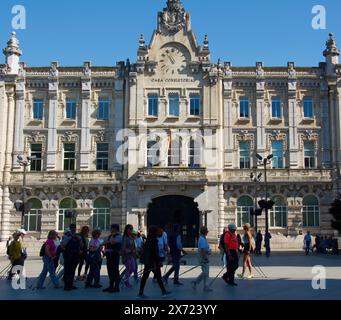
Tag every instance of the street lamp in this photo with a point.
(255, 178)
(22, 206)
(265, 204)
(71, 181)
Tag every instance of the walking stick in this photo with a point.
(261, 272)
(5, 269)
(223, 269)
(189, 270)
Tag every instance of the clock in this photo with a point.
(173, 60)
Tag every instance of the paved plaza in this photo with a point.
(288, 276)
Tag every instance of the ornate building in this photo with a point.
(172, 137)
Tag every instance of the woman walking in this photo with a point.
(95, 261)
(151, 259)
(248, 249)
(129, 254)
(49, 255)
(83, 258)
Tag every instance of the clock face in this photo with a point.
(173, 60)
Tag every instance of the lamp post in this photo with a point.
(256, 178)
(267, 205)
(24, 207)
(72, 181)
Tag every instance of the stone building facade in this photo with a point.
(172, 137)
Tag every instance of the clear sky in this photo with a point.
(107, 31)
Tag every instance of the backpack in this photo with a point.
(42, 250)
(222, 242)
(72, 248)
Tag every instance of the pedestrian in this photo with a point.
(222, 248)
(151, 260)
(307, 243)
(175, 249)
(58, 251)
(83, 259)
(163, 246)
(113, 244)
(49, 255)
(15, 253)
(128, 254)
(267, 239)
(240, 243)
(204, 253)
(248, 248)
(231, 245)
(317, 244)
(72, 246)
(95, 260)
(259, 240)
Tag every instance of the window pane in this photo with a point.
(153, 102)
(244, 155)
(277, 151)
(38, 109)
(36, 154)
(195, 105)
(174, 105)
(276, 108)
(308, 107)
(70, 109)
(244, 107)
(103, 109)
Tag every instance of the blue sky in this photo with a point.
(106, 31)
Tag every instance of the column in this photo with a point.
(221, 208)
(6, 203)
(337, 101)
(52, 138)
(261, 136)
(18, 148)
(228, 125)
(118, 121)
(85, 144)
(325, 148)
(293, 135)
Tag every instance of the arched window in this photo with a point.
(279, 213)
(67, 213)
(311, 212)
(33, 217)
(244, 204)
(101, 216)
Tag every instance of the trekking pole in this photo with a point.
(189, 270)
(4, 272)
(6, 269)
(222, 270)
(260, 271)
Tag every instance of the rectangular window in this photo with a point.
(174, 105)
(101, 219)
(69, 156)
(103, 109)
(309, 154)
(276, 108)
(308, 107)
(278, 217)
(244, 155)
(243, 216)
(244, 107)
(36, 154)
(102, 157)
(311, 216)
(32, 220)
(70, 109)
(195, 105)
(153, 105)
(38, 109)
(194, 154)
(277, 151)
(153, 154)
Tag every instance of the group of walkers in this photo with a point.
(323, 244)
(64, 258)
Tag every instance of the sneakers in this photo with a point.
(208, 289)
(250, 276)
(194, 285)
(141, 297)
(166, 294)
(241, 276)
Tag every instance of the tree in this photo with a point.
(335, 211)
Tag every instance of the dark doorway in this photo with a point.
(179, 210)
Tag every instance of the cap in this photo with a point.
(134, 232)
(21, 231)
(232, 226)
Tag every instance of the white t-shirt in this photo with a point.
(203, 244)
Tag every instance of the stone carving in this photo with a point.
(291, 70)
(244, 135)
(173, 18)
(87, 69)
(259, 70)
(277, 135)
(22, 71)
(54, 70)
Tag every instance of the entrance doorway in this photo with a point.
(179, 210)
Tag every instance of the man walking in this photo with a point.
(113, 246)
(231, 245)
(259, 240)
(307, 243)
(204, 253)
(175, 246)
(267, 239)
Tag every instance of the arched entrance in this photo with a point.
(179, 210)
